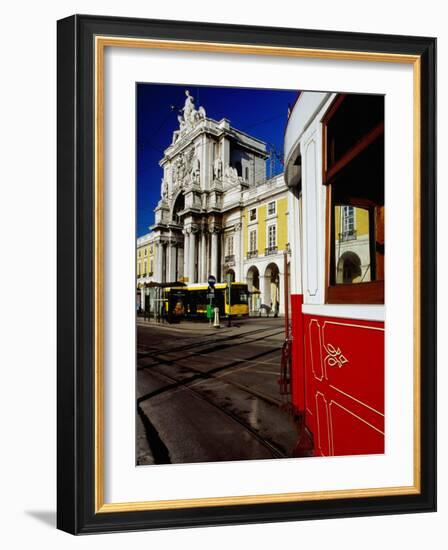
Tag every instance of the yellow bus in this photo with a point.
(192, 300)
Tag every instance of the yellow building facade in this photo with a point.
(251, 247)
(265, 241)
(352, 244)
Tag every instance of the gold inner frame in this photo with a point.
(101, 42)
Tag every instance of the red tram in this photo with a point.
(334, 168)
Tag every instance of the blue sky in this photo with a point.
(260, 113)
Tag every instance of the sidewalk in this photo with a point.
(203, 326)
(199, 326)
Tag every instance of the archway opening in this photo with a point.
(253, 285)
(230, 276)
(178, 207)
(349, 268)
(271, 295)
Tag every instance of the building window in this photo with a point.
(138, 269)
(271, 208)
(252, 214)
(272, 236)
(144, 269)
(229, 257)
(146, 251)
(139, 253)
(151, 250)
(246, 173)
(151, 266)
(347, 231)
(272, 240)
(354, 174)
(230, 245)
(253, 241)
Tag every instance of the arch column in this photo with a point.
(163, 247)
(186, 253)
(281, 288)
(171, 261)
(214, 254)
(203, 263)
(263, 289)
(237, 250)
(159, 262)
(280, 291)
(142, 297)
(192, 257)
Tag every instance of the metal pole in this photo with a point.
(229, 322)
(285, 270)
(210, 321)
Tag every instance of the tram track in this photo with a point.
(202, 376)
(270, 446)
(156, 352)
(187, 347)
(191, 367)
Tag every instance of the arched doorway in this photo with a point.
(230, 274)
(349, 268)
(253, 284)
(179, 206)
(271, 295)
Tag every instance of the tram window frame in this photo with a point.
(371, 292)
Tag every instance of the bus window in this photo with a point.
(239, 295)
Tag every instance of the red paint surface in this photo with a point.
(298, 369)
(338, 379)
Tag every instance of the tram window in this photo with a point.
(354, 239)
(354, 174)
(352, 118)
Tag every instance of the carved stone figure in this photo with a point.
(196, 170)
(214, 228)
(181, 169)
(188, 118)
(164, 189)
(188, 160)
(189, 106)
(217, 169)
(231, 174)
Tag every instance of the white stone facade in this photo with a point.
(211, 172)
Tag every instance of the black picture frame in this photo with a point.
(76, 273)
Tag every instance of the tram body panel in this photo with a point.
(336, 226)
(337, 381)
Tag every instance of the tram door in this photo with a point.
(344, 377)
